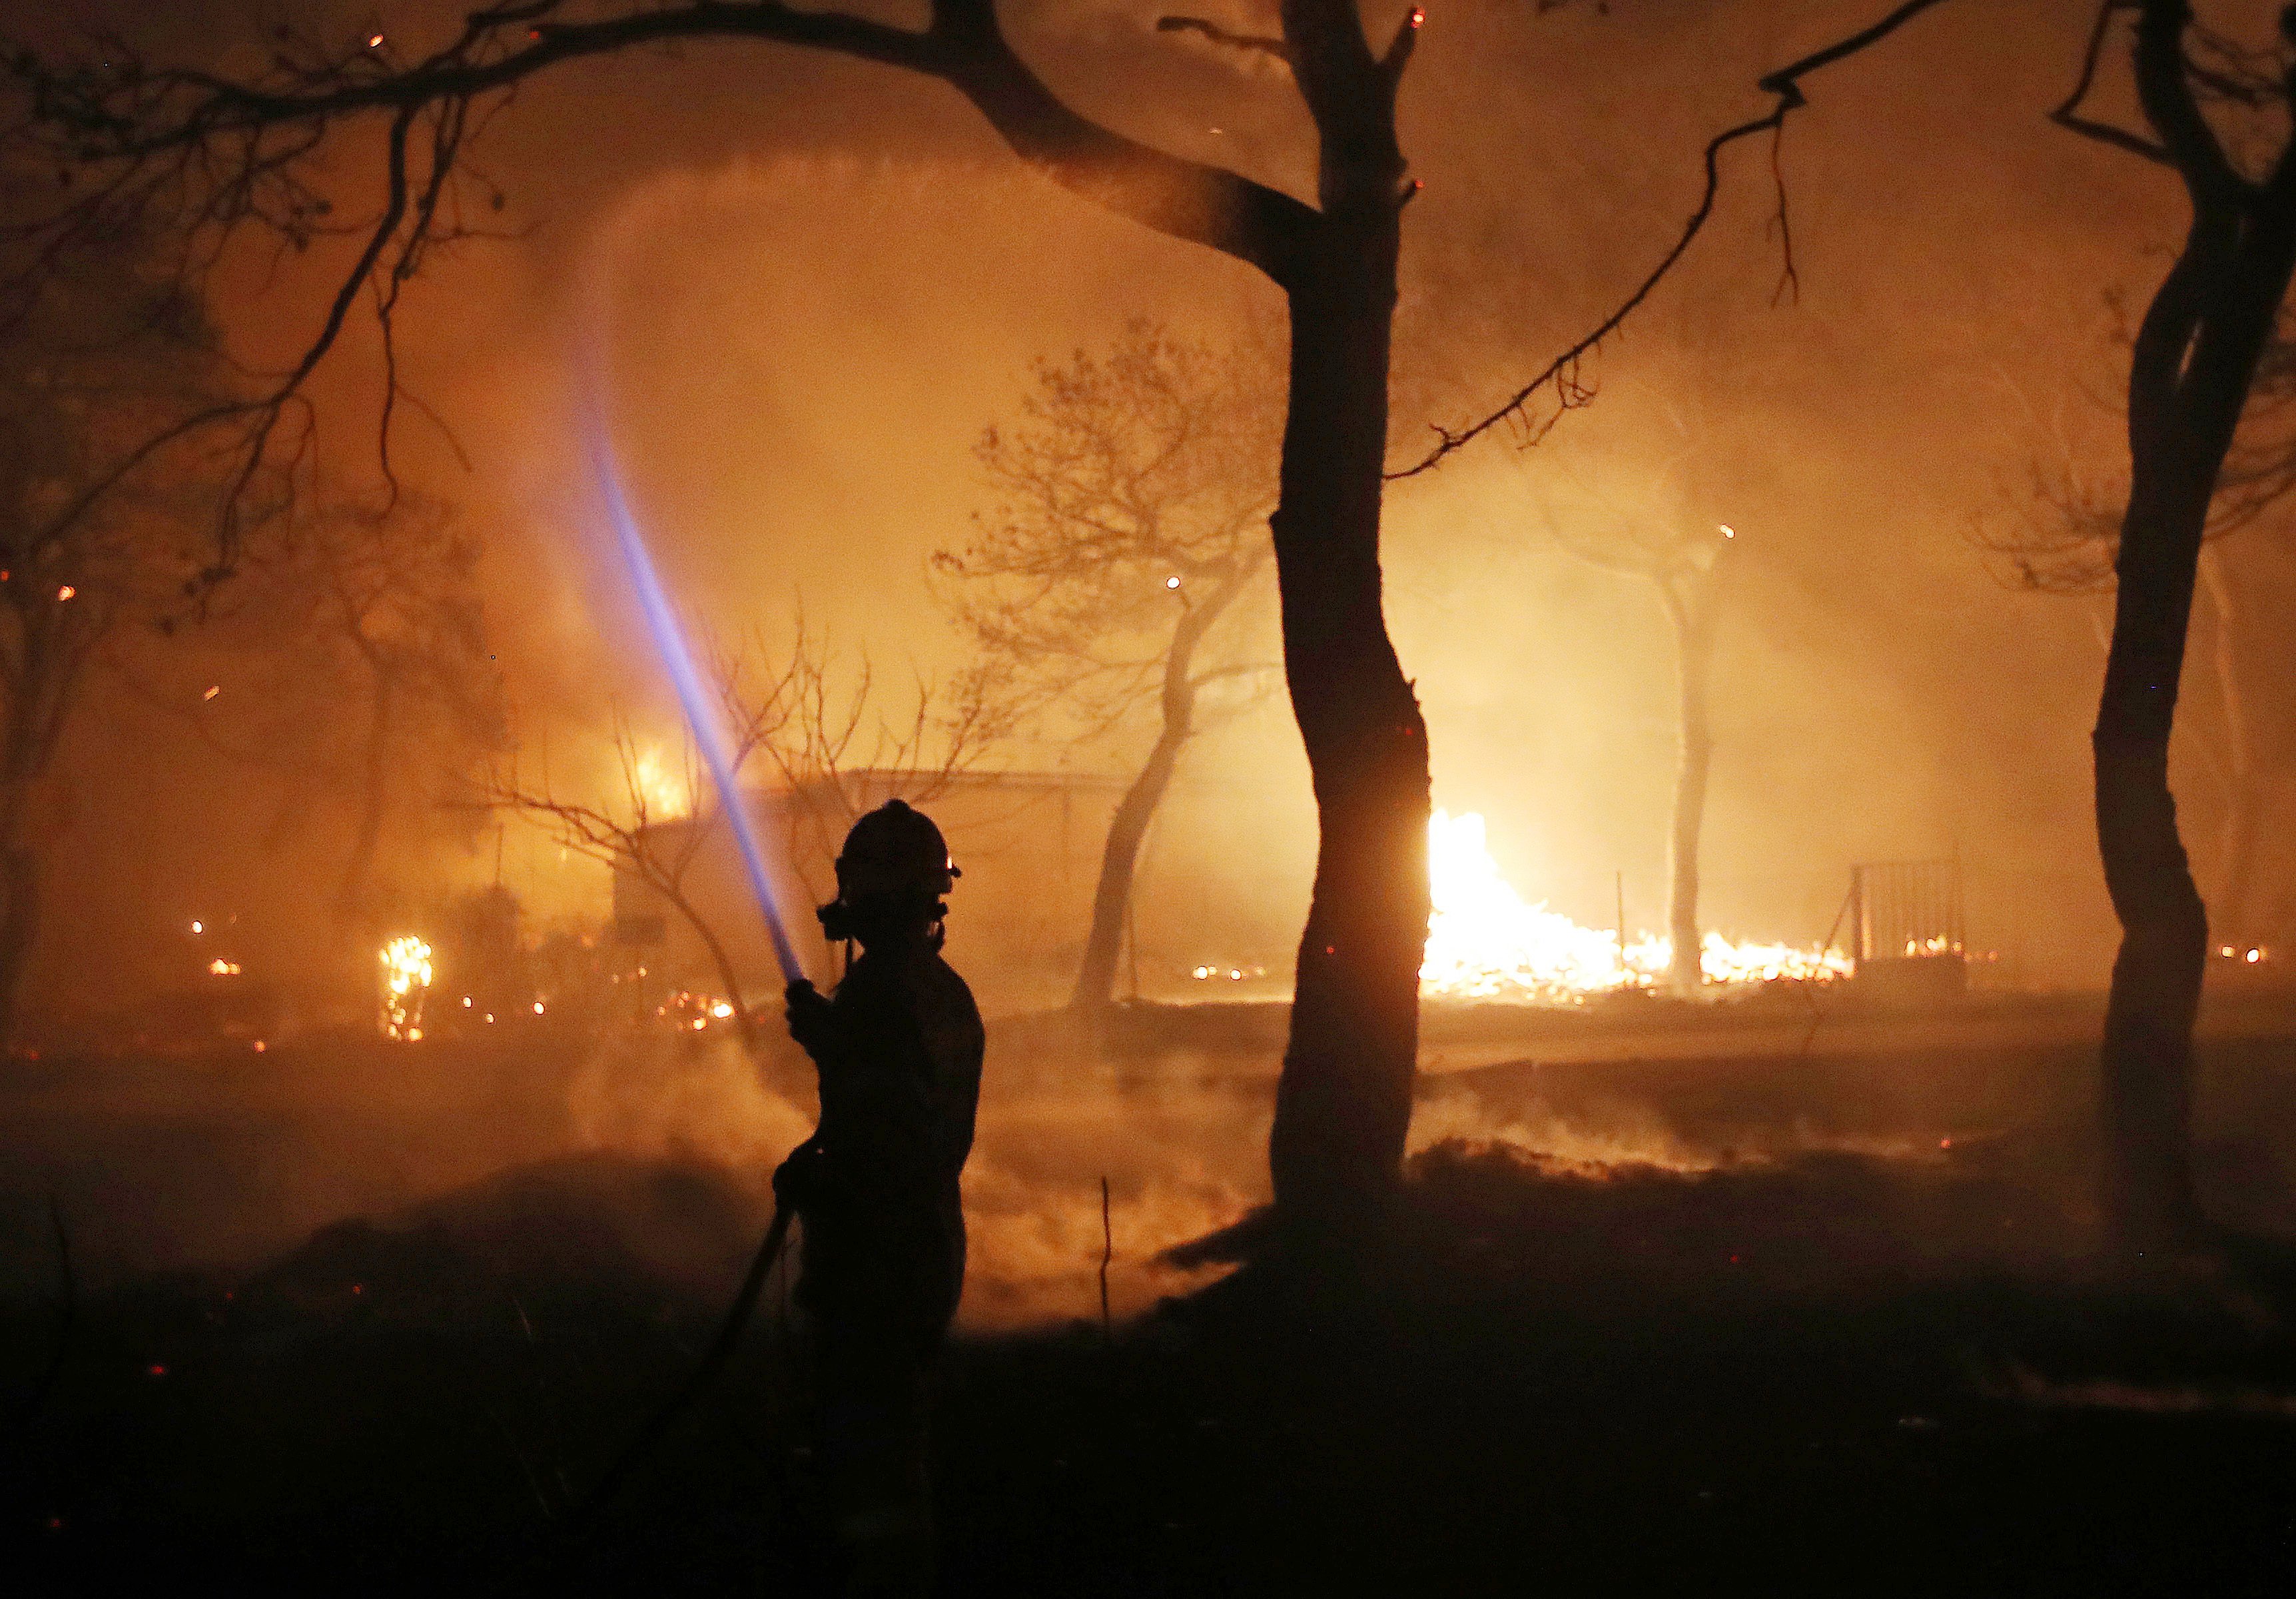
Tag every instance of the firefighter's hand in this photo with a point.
(811, 1020)
(798, 1180)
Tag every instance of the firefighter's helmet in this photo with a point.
(897, 851)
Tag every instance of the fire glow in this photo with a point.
(1485, 942)
(666, 794)
(406, 985)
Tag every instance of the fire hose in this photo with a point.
(704, 1373)
(709, 739)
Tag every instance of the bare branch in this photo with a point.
(1255, 42)
(2068, 115)
(1562, 376)
(215, 155)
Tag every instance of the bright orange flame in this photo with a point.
(1485, 942)
(405, 984)
(662, 789)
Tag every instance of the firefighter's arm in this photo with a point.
(799, 1180)
(812, 1023)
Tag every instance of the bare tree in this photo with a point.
(2060, 536)
(342, 602)
(816, 748)
(628, 834)
(1671, 545)
(97, 354)
(2195, 356)
(791, 730)
(229, 154)
(1134, 491)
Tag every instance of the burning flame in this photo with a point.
(405, 984)
(665, 791)
(1484, 942)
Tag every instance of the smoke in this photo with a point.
(1179, 1164)
(815, 282)
(657, 1094)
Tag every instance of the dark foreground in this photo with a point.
(1637, 1382)
(1823, 1372)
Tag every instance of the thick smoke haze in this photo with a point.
(807, 286)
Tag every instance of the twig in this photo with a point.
(1252, 43)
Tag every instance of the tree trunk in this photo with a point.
(20, 927)
(1691, 606)
(2237, 861)
(374, 788)
(2194, 359)
(1344, 1105)
(1119, 858)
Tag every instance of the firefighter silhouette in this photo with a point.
(898, 1050)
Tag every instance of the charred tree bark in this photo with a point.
(20, 928)
(2194, 359)
(1690, 605)
(2236, 863)
(1343, 1103)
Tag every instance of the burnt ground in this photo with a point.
(1841, 1360)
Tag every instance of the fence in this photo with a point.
(1901, 910)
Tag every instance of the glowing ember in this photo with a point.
(1484, 942)
(688, 1010)
(405, 984)
(224, 968)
